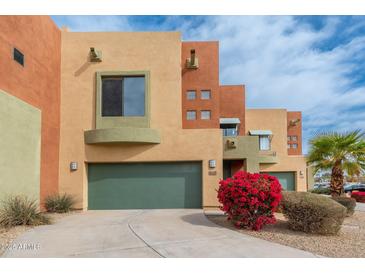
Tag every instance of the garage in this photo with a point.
(145, 185)
(286, 179)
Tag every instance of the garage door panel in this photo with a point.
(286, 179)
(157, 185)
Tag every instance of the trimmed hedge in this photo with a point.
(312, 213)
(358, 196)
(347, 202)
(326, 191)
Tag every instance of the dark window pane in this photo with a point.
(134, 96)
(18, 56)
(112, 97)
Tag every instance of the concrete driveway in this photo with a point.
(142, 233)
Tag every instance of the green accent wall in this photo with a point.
(20, 146)
(287, 179)
(246, 147)
(122, 135)
(145, 185)
(122, 121)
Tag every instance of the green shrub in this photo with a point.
(349, 203)
(59, 203)
(326, 191)
(19, 210)
(312, 213)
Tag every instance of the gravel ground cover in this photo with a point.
(349, 243)
(7, 235)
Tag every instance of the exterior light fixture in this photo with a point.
(95, 55)
(73, 166)
(212, 164)
(301, 173)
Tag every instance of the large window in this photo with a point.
(264, 142)
(123, 96)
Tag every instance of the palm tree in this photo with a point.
(338, 152)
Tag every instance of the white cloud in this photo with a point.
(278, 61)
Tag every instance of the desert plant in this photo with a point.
(326, 191)
(338, 152)
(250, 200)
(358, 196)
(312, 213)
(347, 202)
(59, 203)
(19, 210)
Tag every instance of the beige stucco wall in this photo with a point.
(158, 53)
(276, 121)
(20, 147)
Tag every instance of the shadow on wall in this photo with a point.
(84, 66)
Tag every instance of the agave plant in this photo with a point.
(338, 152)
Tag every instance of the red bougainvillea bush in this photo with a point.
(250, 200)
(358, 196)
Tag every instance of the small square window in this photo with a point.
(205, 94)
(191, 94)
(264, 142)
(205, 114)
(191, 115)
(294, 146)
(18, 56)
(294, 138)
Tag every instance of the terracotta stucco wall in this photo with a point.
(232, 104)
(295, 130)
(37, 83)
(206, 77)
(276, 121)
(161, 55)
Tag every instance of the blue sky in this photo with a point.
(310, 63)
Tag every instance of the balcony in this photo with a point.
(240, 147)
(122, 135)
(247, 147)
(268, 157)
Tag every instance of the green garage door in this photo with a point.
(287, 179)
(145, 185)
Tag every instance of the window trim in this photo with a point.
(121, 121)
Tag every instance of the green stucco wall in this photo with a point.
(20, 142)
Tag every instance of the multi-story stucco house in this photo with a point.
(130, 119)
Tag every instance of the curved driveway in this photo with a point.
(143, 233)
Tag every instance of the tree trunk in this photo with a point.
(336, 180)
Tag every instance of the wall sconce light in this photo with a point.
(73, 166)
(301, 173)
(212, 164)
